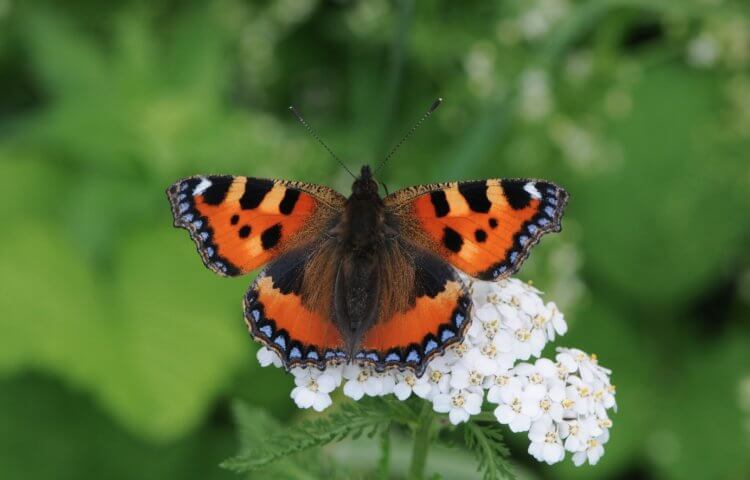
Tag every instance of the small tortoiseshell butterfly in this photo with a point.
(365, 278)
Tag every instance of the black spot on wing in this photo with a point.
(255, 191)
(515, 194)
(452, 240)
(289, 201)
(493, 223)
(270, 236)
(440, 202)
(480, 235)
(475, 194)
(217, 192)
(235, 219)
(245, 231)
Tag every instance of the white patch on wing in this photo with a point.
(201, 187)
(529, 187)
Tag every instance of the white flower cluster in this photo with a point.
(562, 404)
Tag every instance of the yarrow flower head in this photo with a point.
(562, 404)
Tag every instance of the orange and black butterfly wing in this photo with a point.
(282, 317)
(485, 228)
(240, 223)
(436, 316)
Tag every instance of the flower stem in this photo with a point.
(422, 434)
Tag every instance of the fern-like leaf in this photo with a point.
(486, 441)
(352, 420)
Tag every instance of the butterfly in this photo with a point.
(367, 279)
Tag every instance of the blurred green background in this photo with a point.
(120, 354)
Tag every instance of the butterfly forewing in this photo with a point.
(485, 228)
(240, 223)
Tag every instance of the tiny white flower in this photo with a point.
(593, 452)
(459, 404)
(361, 381)
(546, 445)
(555, 324)
(511, 410)
(267, 357)
(313, 387)
(407, 383)
(578, 432)
(525, 339)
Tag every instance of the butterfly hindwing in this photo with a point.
(435, 318)
(240, 223)
(301, 333)
(280, 313)
(485, 228)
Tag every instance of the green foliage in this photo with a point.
(486, 441)
(350, 421)
(125, 349)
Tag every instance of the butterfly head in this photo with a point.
(365, 184)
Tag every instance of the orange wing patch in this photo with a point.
(278, 319)
(412, 338)
(240, 223)
(485, 228)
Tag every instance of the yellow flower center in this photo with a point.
(550, 437)
(584, 392)
(574, 428)
(516, 405)
(536, 378)
(523, 335)
(605, 423)
(515, 301)
(363, 376)
(567, 404)
(475, 378)
(491, 327)
(599, 395)
(545, 404)
(539, 321)
(460, 349)
(458, 401)
(502, 380)
(593, 443)
(410, 380)
(313, 386)
(436, 375)
(489, 351)
(493, 299)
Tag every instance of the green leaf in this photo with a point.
(663, 223)
(352, 420)
(486, 440)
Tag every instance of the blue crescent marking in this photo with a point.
(412, 356)
(446, 335)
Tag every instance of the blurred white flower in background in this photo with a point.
(703, 51)
(562, 403)
(535, 100)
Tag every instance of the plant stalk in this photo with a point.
(422, 436)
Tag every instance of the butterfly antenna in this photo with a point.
(315, 135)
(432, 108)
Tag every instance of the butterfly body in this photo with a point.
(365, 278)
